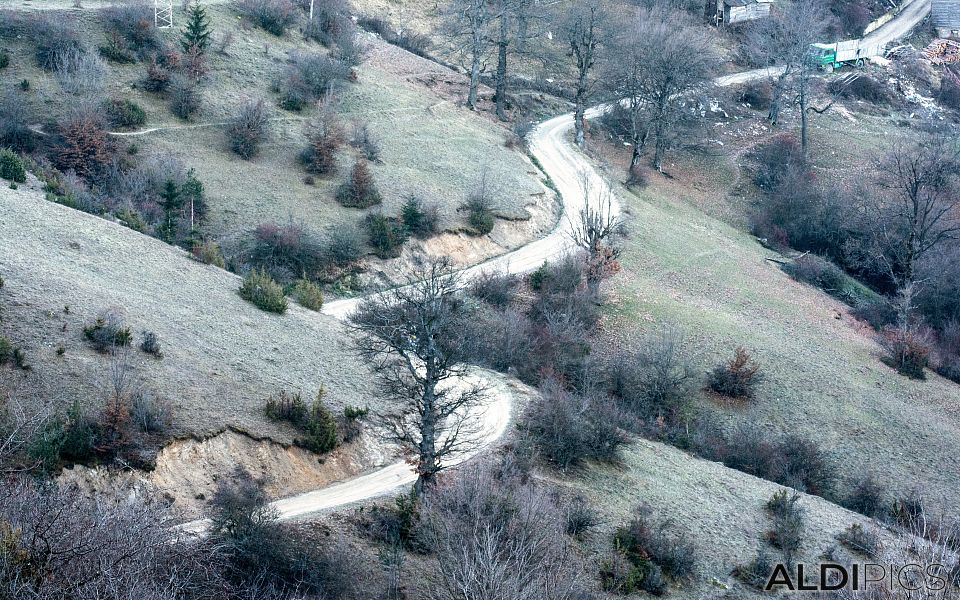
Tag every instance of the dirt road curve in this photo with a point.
(568, 168)
(900, 25)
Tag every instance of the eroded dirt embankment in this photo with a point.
(188, 471)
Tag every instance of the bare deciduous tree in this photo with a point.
(592, 230)
(412, 337)
(918, 209)
(784, 40)
(654, 66)
(468, 23)
(515, 19)
(498, 539)
(583, 30)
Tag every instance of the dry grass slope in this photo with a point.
(222, 355)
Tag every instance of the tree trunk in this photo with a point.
(804, 124)
(581, 108)
(477, 50)
(501, 77)
(427, 465)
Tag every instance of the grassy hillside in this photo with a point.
(221, 355)
(824, 379)
(430, 146)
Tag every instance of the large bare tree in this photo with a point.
(469, 25)
(412, 336)
(583, 29)
(516, 21)
(918, 207)
(783, 41)
(654, 66)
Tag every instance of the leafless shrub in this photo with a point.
(655, 380)
(568, 429)
(80, 73)
(275, 16)
(60, 543)
(55, 40)
(496, 288)
(324, 138)
(307, 78)
(185, 97)
(249, 129)
(493, 532)
(787, 531)
(363, 140)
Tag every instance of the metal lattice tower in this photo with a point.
(163, 13)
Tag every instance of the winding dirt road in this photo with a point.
(551, 144)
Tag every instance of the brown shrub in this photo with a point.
(736, 378)
(82, 144)
(360, 191)
(324, 139)
(249, 129)
(908, 349)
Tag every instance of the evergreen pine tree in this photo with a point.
(197, 32)
(171, 202)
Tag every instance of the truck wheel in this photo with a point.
(828, 68)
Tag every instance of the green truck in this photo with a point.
(831, 57)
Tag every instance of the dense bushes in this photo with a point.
(950, 88)
(125, 113)
(418, 219)
(315, 420)
(55, 42)
(479, 209)
(864, 88)
(360, 191)
(386, 235)
(324, 138)
(793, 460)
(787, 532)
(108, 332)
(274, 16)
(307, 78)
(308, 294)
(568, 428)
(185, 97)
(260, 289)
(131, 29)
(11, 167)
(737, 378)
(15, 120)
(248, 129)
(268, 559)
(655, 381)
(82, 144)
(644, 554)
(908, 349)
(287, 252)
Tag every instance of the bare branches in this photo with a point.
(583, 31)
(412, 336)
(592, 230)
(497, 538)
(655, 65)
(921, 207)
